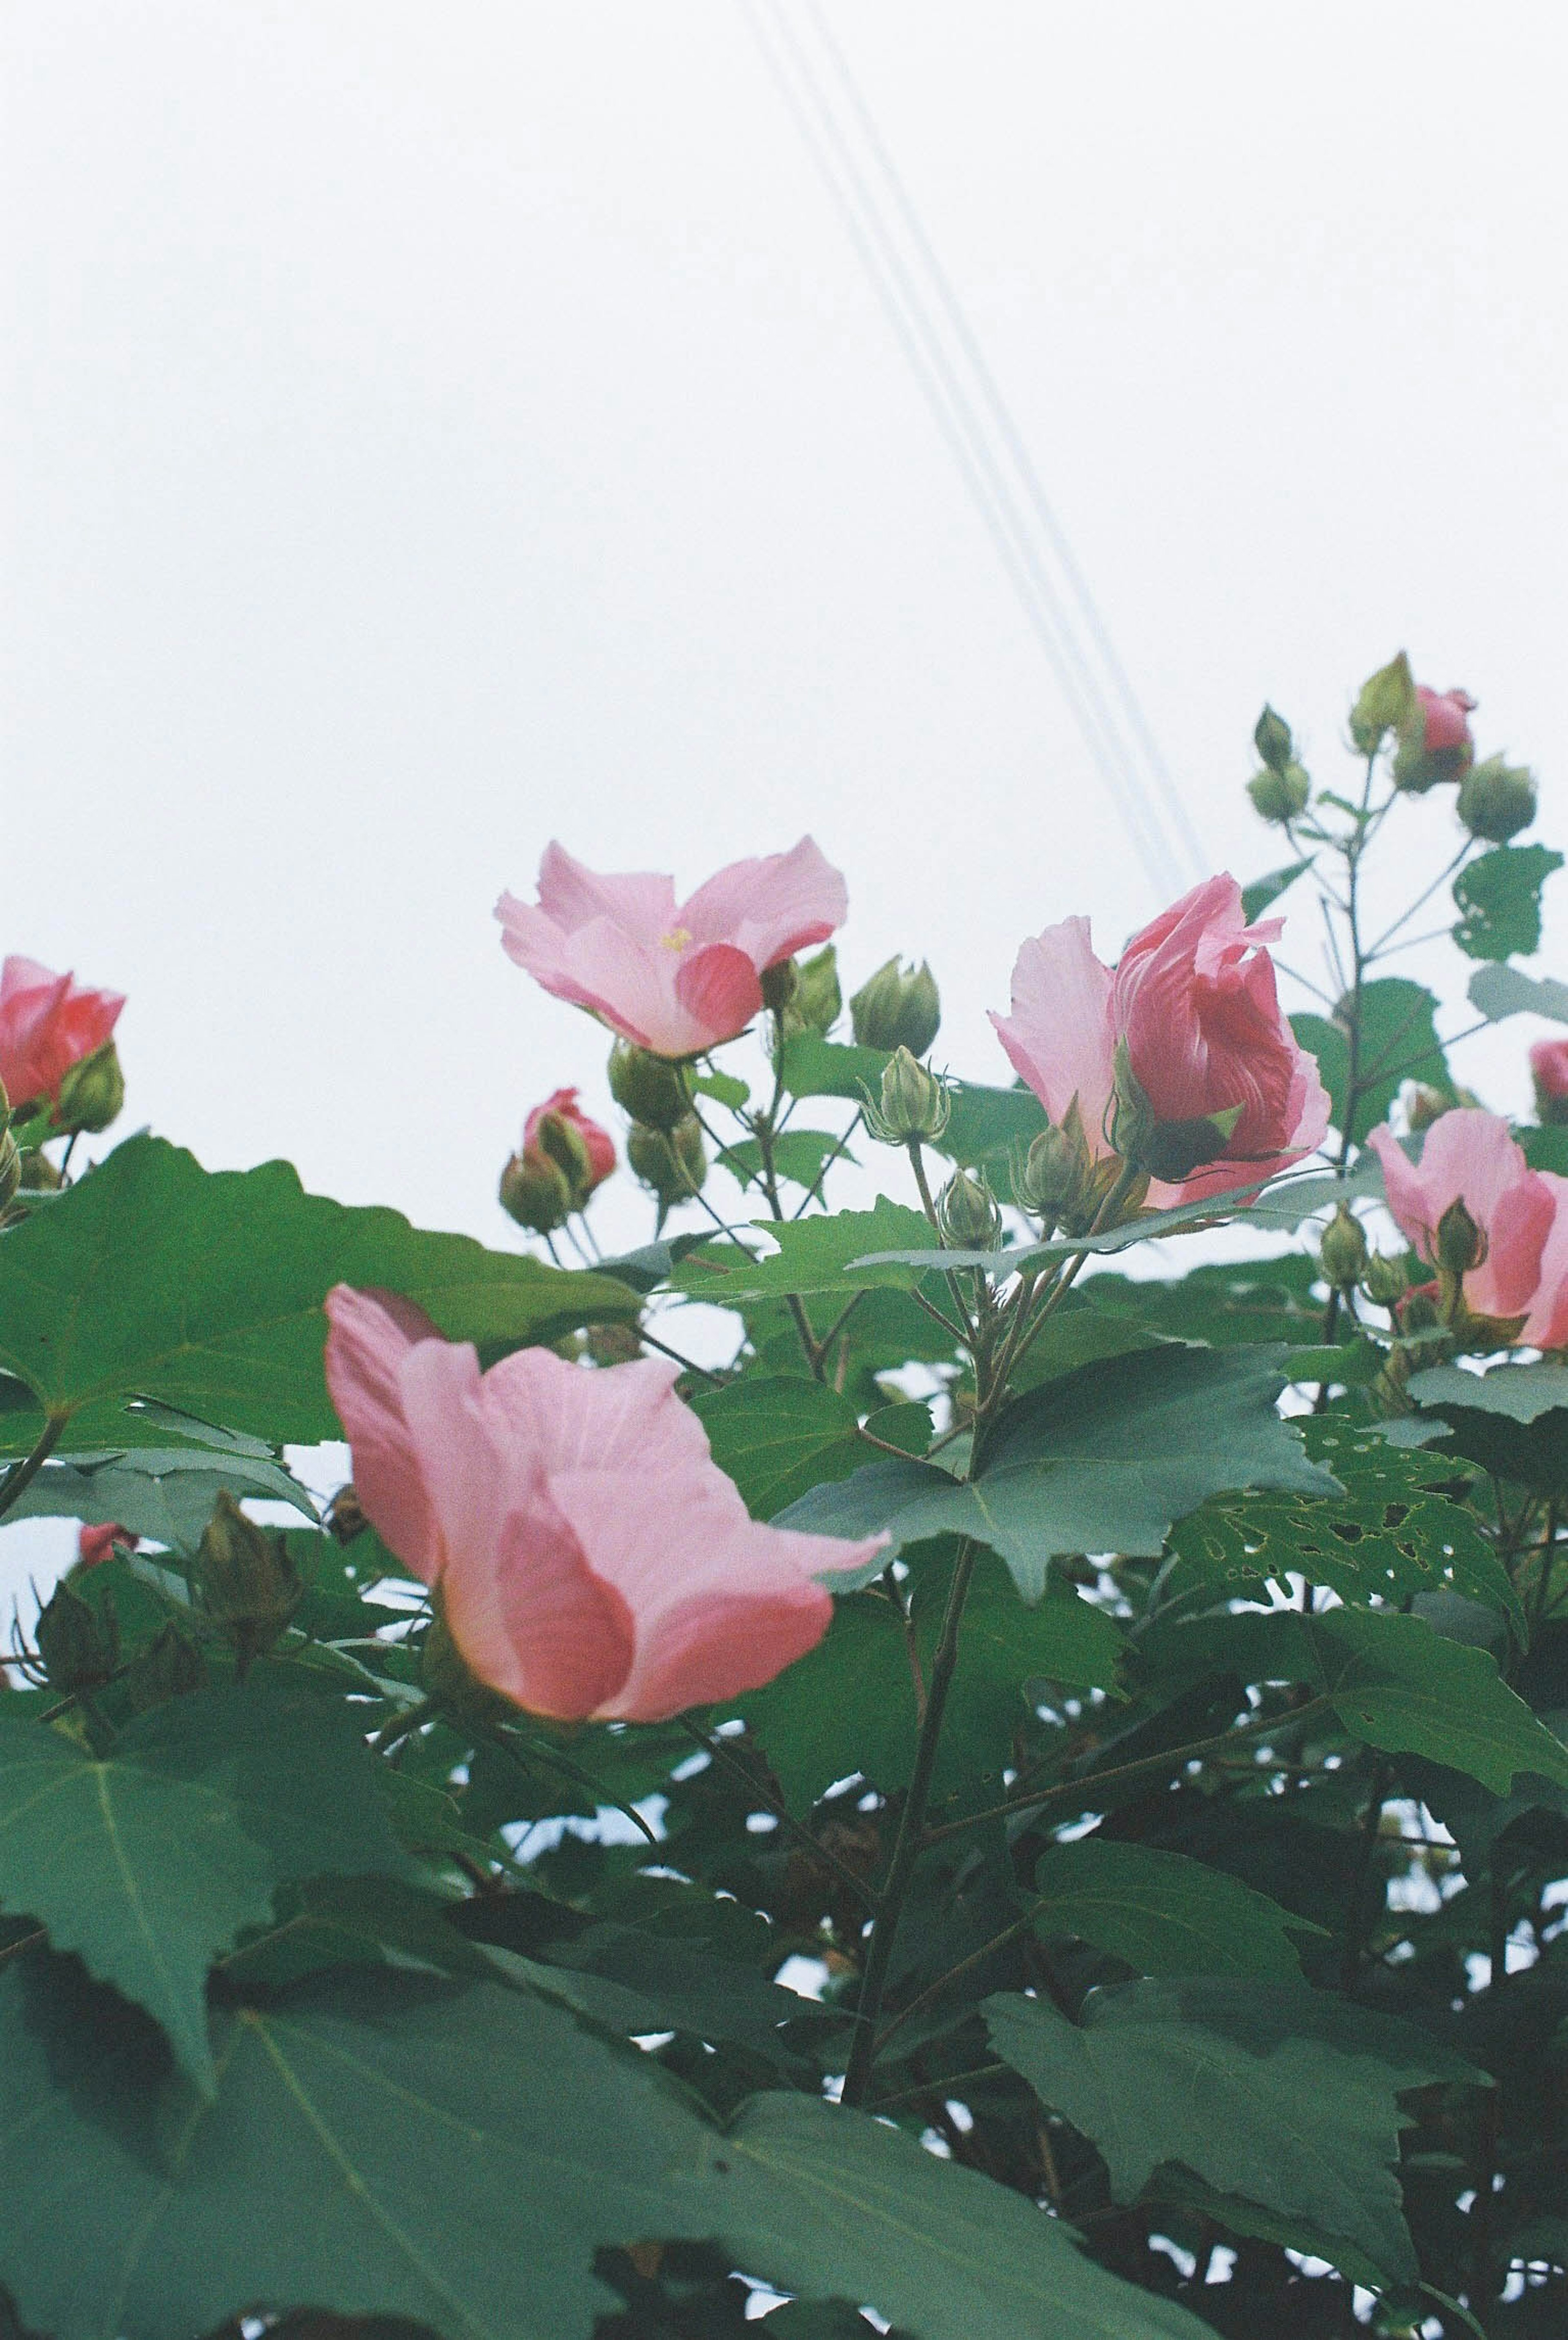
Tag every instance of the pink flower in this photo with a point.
(592, 1559)
(1549, 1071)
(1469, 1157)
(1445, 716)
(596, 1144)
(47, 1024)
(676, 978)
(1546, 1326)
(98, 1544)
(1193, 996)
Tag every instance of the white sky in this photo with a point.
(428, 431)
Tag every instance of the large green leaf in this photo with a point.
(1104, 1460)
(1512, 1420)
(1162, 1913)
(810, 1255)
(823, 2200)
(1521, 1393)
(1399, 1043)
(776, 1437)
(164, 1493)
(1499, 900)
(1235, 1300)
(1271, 2090)
(204, 1289)
(151, 1861)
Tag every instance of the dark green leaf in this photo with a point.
(811, 1254)
(1256, 897)
(1103, 1461)
(797, 1156)
(814, 1067)
(777, 1438)
(1546, 1148)
(1250, 1300)
(1266, 2089)
(1512, 1420)
(1499, 899)
(1521, 1393)
(1399, 1043)
(1162, 1913)
(165, 1493)
(149, 1863)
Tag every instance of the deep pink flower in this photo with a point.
(675, 977)
(96, 1542)
(598, 1144)
(1470, 1156)
(1549, 1071)
(1193, 996)
(47, 1024)
(591, 1557)
(1445, 717)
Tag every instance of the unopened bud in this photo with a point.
(1280, 796)
(1054, 1178)
(967, 1215)
(1383, 1281)
(1434, 743)
(78, 1641)
(1423, 1104)
(652, 1089)
(1549, 1077)
(914, 1104)
(672, 1161)
(897, 1007)
(170, 1667)
(1496, 800)
(1461, 1244)
(92, 1093)
(818, 1001)
(535, 1191)
(1342, 1253)
(1385, 703)
(249, 1586)
(1273, 740)
(778, 984)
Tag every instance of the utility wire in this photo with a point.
(965, 432)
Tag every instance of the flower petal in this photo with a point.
(369, 1335)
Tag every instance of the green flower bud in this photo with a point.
(92, 1093)
(967, 1215)
(249, 1586)
(1273, 740)
(1386, 702)
(1056, 1179)
(1383, 1281)
(1281, 795)
(672, 1161)
(1461, 1244)
(1342, 1253)
(914, 1103)
(170, 1667)
(778, 984)
(1496, 800)
(78, 1641)
(896, 1008)
(818, 1001)
(652, 1089)
(1419, 1313)
(535, 1191)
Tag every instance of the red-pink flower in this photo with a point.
(1193, 996)
(96, 1542)
(47, 1024)
(675, 977)
(1549, 1071)
(596, 1144)
(592, 1559)
(1446, 720)
(1470, 1156)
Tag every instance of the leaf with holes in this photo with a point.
(1499, 900)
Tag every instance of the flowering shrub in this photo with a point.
(997, 1797)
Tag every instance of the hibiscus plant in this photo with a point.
(985, 1759)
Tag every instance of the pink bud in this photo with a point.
(47, 1024)
(1446, 716)
(1549, 1071)
(596, 1144)
(97, 1542)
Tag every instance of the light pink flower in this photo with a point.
(1193, 996)
(675, 977)
(1546, 1326)
(1469, 1157)
(47, 1024)
(591, 1557)
(1446, 720)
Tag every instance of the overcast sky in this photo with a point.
(430, 430)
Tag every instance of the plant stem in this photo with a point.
(907, 1845)
(1370, 1826)
(21, 1475)
(934, 1990)
(865, 1894)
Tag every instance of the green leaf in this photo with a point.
(1162, 1913)
(1248, 1300)
(825, 2201)
(814, 1067)
(1399, 1043)
(1399, 1526)
(1512, 1420)
(1545, 1148)
(778, 1438)
(1256, 897)
(1284, 2095)
(724, 1088)
(1102, 1461)
(1521, 1393)
(1499, 899)
(1500, 991)
(337, 1921)
(165, 1493)
(811, 1254)
(150, 1862)
(797, 1157)
(205, 1288)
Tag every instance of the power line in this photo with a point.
(985, 473)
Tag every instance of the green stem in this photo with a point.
(908, 1844)
(814, 1190)
(21, 1475)
(1355, 1916)
(865, 1894)
(934, 1990)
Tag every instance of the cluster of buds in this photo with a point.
(1281, 789)
(564, 1158)
(897, 1007)
(913, 1107)
(664, 1145)
(1062, 1180)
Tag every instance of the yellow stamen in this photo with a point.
(677, 939)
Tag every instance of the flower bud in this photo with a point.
(1461, 1244)
(1055, 1177)
(170, 1667)
(1273, 740)
(1419, 1312)
(249, 1586)
(1434, 741)
(1383, 1281)
(78, 1641)
(96, 1540)
(1548, 1073)
(1497, 799)
(896, 1008)
(672, 1161)
(535, 1192)
(652, 1089)
(1385, 703)
(1280, 796)
(1423, 1104)
(778, 984)
(818, 1001)
(914, 1104)
(92, 1093)
(1342, 1253)
(967, 1215)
